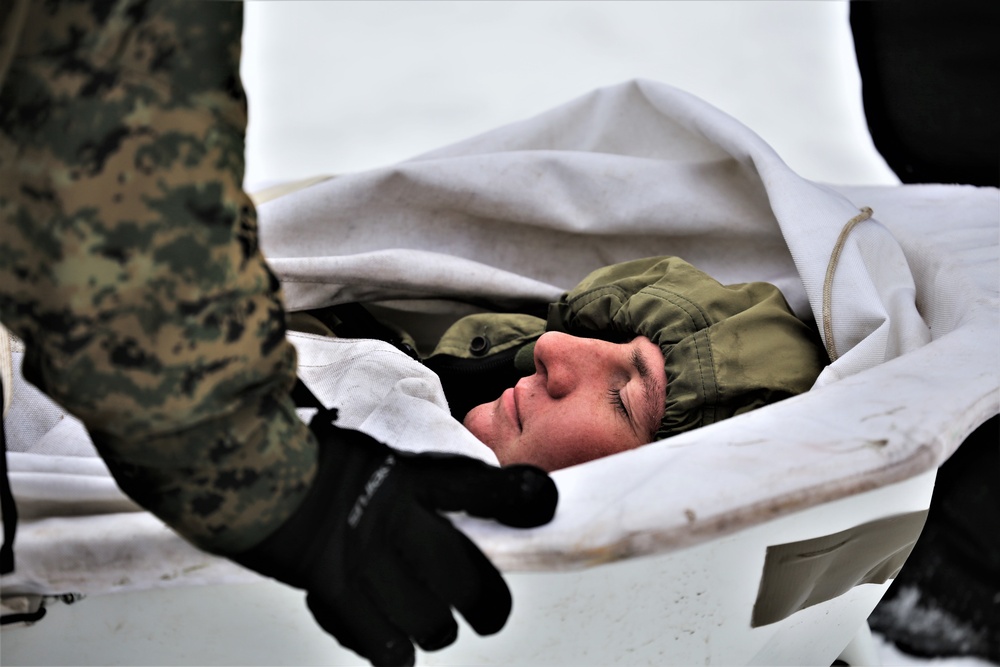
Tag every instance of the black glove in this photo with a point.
(380, 565)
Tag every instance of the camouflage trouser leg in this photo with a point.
(129, 261)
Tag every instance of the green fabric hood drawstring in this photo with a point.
(727, 349)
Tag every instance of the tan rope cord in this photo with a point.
(831, 269)
(282, 189)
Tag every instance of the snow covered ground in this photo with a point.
(344, 86)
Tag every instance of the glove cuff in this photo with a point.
(346, 460)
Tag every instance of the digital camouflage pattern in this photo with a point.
(129, 262)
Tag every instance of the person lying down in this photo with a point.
(637, 352)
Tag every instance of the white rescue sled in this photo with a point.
(764, 539)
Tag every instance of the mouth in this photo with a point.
(509, 399)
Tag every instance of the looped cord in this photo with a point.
(831, 269)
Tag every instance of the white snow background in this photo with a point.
(340, 86)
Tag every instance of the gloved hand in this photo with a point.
(380, 565)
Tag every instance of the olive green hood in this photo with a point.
(727, 349)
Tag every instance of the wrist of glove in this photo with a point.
(380, 565)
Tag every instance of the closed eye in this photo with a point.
(615, 397)
(650, 396)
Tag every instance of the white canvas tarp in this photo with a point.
(905, 296)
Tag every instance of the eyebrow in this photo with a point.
(650, 400)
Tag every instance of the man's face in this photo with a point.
(587, 399)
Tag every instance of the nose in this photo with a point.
(562, 360)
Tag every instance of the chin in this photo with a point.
(478, 422)
(471, 420)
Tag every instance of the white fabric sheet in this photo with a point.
(517, 215)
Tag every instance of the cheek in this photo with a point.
(561, 443)
(581, 437)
